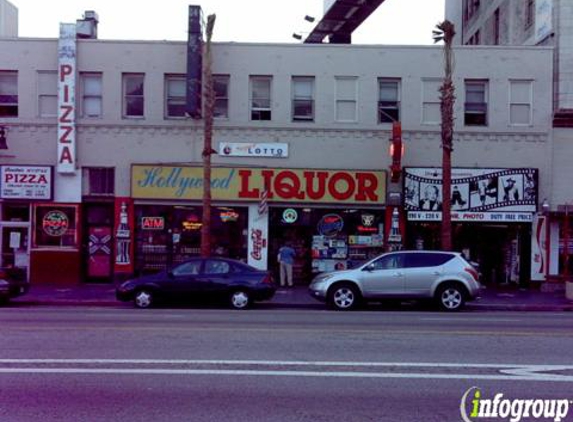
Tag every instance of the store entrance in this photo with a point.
(501, 251)
(298, 236)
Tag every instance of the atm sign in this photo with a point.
(152, 223)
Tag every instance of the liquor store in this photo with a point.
(331, 217)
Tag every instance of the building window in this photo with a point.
(8, 94)
(388, 100)
(47, 93)
(431, 101)
(496, 27)
(133, 95)
(98, 181)
(520, 102)
(475, 107)
(261, 97)
(302, 98)
(221, 87)
(529, 13)
(346, 104)
(470, 8)
(55, 226)
(91, 91)
(175, 100)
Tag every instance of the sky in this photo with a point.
(394, 22)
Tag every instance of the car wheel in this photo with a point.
(143, 299)
(344, 297)
(451, 297)
(240, 299)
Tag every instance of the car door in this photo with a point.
(217, 276)
(185, 280)
(422, 270)
(384, 277)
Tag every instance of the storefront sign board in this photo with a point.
(26, 182)
(244, 149)
(504, 195)
(245, 184)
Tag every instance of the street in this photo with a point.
(118, 364)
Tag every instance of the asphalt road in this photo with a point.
(90, 364)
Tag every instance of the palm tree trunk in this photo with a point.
(209, 96)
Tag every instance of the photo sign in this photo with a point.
(504, 195)
(26, 182)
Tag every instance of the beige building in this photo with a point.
(310, 123)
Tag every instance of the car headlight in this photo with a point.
(322, 278)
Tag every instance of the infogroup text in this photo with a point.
(474, 406)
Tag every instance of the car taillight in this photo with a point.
(3, 274)
(268, 279)
(473, 273)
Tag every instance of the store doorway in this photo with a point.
(16, 247)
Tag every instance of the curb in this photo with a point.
(292, 305)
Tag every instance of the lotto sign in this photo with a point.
(26, 182)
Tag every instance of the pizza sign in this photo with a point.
(55, 223)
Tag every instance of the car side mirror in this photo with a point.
(369, 268)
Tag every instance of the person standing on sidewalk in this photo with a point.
(286, 261)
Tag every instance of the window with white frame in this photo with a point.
(431, 101)
(98, 181)
(529, 13)
(388, 100)
(175, 96)
(221, 88)
(520, 102)
(475, 106)
(303, 98)
(346, 102)
(91, 92)
(47, 93)
(8, 93)
(133, 104)
(260, 97)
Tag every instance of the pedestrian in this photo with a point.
(286, 261)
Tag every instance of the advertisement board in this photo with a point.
(26, 182)
(504, 195)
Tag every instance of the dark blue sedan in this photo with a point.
(201, 278)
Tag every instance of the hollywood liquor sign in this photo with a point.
(66, 162)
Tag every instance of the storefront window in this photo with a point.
(326, 239)
(55, 226)
(168, 235)
(15, 212)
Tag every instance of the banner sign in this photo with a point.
(271, 150)
(245, 184)
(539, 248)
(26, 182)
(67, 99)
(504, 195)
(258, 240)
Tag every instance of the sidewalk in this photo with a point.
(104, 295)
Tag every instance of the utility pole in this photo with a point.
(445, 32)
(209, 95)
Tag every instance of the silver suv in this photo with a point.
(443, 276)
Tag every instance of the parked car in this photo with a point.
(445, 277)
(201, 278)
(13, 283)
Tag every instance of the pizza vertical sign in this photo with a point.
(66, 163)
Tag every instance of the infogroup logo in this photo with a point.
(474, 406)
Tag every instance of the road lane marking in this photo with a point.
(335, 374)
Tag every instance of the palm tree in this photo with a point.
(209, 95)
(445, 32)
